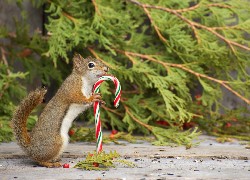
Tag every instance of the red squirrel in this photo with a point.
(49, 137)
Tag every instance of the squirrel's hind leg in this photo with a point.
(50, 164)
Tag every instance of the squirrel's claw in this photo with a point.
(102, 102)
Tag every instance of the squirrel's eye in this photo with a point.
(91, 65)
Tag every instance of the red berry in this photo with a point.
(111, 136)
(198, 102)
(188, 125)
(197, 96)
(198, 99)
(66, 165)
(71, 132)
(25, 52)
(114, 131)
(228, 125)
(162, 122)
(95, 164)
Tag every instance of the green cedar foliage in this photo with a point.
(102, 161)
(161, 51)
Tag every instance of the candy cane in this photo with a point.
(96, 88)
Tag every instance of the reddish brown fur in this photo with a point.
(21, 114)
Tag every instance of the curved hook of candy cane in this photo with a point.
(97, 85)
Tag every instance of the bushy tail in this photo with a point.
(22, 113)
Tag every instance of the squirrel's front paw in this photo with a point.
(98, 97)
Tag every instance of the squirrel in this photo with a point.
(49, 137)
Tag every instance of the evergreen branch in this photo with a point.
(137, 120)
(96, 8)
(219, 5)
(183, 67)
(5, 62)
(3, 52)
(236, 93)
(112, 110)
(69, 17)
(177, 10)
(155, 111)
(196, 34)
(193, 24)
(155, 27)
(97, 57)
(188, 9)
(65, 14)
(162, 116)
(131, 92)
(229, 42)
(130, 58)
(221, 82)
(227, 27)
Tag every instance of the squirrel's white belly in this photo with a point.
(73, 111)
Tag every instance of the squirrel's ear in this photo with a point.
(77, 60)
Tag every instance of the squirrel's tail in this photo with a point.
(22, 113)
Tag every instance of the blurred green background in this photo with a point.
(183, 65)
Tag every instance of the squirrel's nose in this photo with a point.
(106, 69)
